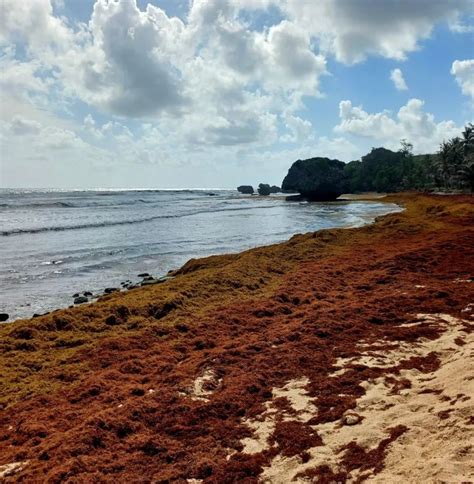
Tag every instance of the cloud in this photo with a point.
(396, 76)
(39, 136)
(461, 28)
(299, 130)
(20, 126)
(211, 88)
(22, 79)
(411, 123)
(463, 71)
(352, 30)
(127, 67)
(210, 78)
(32, 22)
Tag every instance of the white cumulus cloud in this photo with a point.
(396, 75)
(463, 71)
(354, 29)
(411, 122)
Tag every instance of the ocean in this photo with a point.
(55, 243)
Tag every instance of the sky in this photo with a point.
(218, 93)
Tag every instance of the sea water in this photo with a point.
(56, 243)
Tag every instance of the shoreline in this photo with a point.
(247, 365)
(90, 291)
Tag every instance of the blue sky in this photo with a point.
(216, 93)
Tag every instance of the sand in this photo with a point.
(439, 441)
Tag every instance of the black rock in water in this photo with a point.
(143, 274)
(264, 189)
(87, 293)
(4, 317)
(318, 179)
(295, 198)
(81, 300)
(275, 189)
(245, 189)
(109, 290)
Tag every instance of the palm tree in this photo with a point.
(466, 171)
(450, 161)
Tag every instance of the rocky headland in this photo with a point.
(316, 179)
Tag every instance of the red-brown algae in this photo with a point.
(76, 399)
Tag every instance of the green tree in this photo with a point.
(455, 162)
(467, 169)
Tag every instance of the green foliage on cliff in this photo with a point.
(383, 170)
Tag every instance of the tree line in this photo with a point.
(383, 170)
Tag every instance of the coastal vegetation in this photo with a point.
(383, 170)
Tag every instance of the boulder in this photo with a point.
(318, 179)
(245, 189)
(264, 189)
(143, 274)
(275, 189)
(3, 317)
(110, 290)
(81, 300)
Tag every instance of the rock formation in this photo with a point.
(319, 179)
(264, 189)
(245, 189)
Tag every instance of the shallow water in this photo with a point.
(56, 243)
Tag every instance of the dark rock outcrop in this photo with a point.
(264, 189)
(81, 300)
(3, 317)
(318, 179)
(275, 189)
(245, 189)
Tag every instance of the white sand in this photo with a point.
(205, 385)
(433, 449)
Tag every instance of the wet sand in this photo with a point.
(345, 355)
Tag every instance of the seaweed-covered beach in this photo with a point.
(339, 355)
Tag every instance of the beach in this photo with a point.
(341, 355)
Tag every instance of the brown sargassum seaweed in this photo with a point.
(110, 391)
